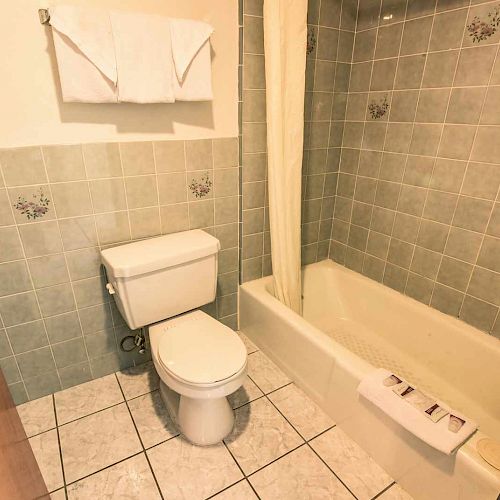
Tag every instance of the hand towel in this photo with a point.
(85, 54)
(191, 54)
(143, 57)
(434, 434)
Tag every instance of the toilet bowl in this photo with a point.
(200, 362)
(155, 282)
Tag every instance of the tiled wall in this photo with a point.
(330, 38)
(417, 204)
(58, 326)
(331, 25)
(256, 240)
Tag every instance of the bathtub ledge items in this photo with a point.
(445, 433)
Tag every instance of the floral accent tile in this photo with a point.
(202, 187)
(480, 30)
(311, 41)
(34, 209)
(378, 109)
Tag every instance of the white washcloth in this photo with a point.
(85, 54)
(434, 434)
(143, 57)
(192, 60)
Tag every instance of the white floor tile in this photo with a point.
(151, 418)
(130, 479)
(251, 347)
(303, 413)
(97, 441)
(240, 491)
(260, 435)
(46, 450)
(189, 472)
(351, 463)
(265, 373)
(138, 380)
(297, 476)
(37, 416)
(84, 399)
(246, 393)
(58, 495)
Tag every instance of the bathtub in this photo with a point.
(350, 325)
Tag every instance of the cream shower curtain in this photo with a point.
(285, 34)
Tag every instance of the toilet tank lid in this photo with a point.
(149, 255)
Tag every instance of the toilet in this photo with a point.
(159, 282)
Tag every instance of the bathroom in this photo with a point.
(322, 204)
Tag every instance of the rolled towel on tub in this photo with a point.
(427, 418)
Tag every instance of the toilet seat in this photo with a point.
(199, 350)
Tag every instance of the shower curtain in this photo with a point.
(285, 34)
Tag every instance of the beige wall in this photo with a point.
(31, 108)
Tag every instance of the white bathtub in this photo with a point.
(351, 324)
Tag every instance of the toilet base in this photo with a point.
(203, 422)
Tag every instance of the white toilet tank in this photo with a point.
(158, 278)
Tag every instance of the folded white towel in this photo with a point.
(130, 57)
(85, 54)
(143, 57)
(436, 434)
(192, 60)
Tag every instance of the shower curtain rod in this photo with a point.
(44, 16)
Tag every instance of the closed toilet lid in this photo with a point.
(201, 350)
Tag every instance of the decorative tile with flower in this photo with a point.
(378, 109)
(35, 209)
(201, 188)
(482, 30)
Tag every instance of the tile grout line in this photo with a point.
(83, 478)
(400, 184)
(245, 477)
(140, 439)
(441, 135)
(365, 121)
(59, 445)
(330, 125)
(484, 234)
(492, 201)
(378, 495)
(307, 443)
(304, 146)
(34, 290)
(330, 469)
(242, 480)
(64, 253)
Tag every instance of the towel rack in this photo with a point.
(44, 16)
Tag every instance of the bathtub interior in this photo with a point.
(442, 356)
